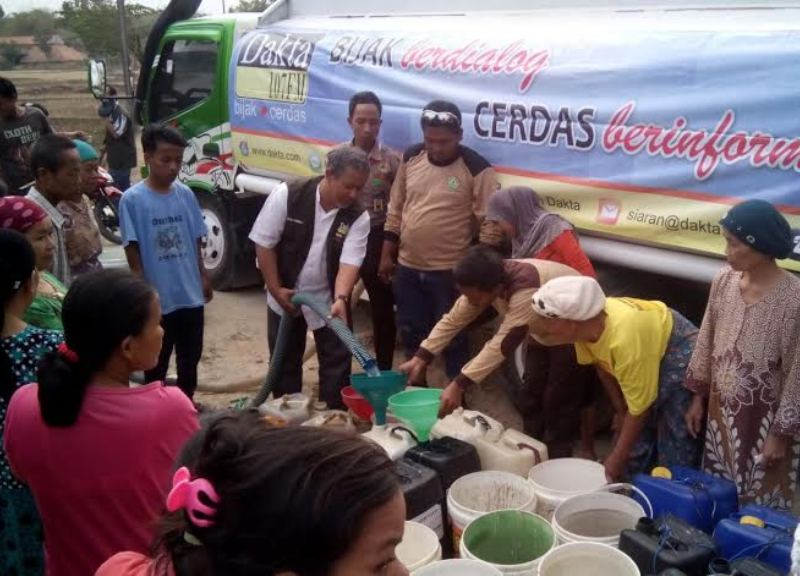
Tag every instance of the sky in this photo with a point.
(10, 6)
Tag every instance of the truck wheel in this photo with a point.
(218, 246)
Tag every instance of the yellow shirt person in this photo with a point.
(641, 350)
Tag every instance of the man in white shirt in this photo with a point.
(311, 237)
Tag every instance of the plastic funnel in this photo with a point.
(418, 409)
(377, 389)
(357, 403)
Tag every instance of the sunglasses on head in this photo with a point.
(441, 117)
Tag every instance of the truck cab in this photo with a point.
(188, 89)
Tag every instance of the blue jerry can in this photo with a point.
(761, 532)
(698, 498)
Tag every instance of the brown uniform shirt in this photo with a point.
(435, 212)
(374, 196)
(80, 235)
(526, 276)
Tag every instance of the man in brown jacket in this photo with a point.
(436, 210)
(549, 400)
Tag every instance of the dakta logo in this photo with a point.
(478, 58)
(277, 50)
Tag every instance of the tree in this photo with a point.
(2, 13)
(96, 23)
(32, 23)
(252, 5)
(11, 55)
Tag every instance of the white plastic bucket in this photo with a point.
(479, 493)
(513, 541)
(419, 547)
(458, 567)
(580, 558)
(556, 480)
(595, 517)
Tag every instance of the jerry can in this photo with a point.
(514, 452)
(395, 439)
(467, 426)
(294, 409)
(451, 459)
(423, 493)
(668, 543)
(333, 419)
(752, 535)
(698, 498)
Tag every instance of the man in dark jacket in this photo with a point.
(311, 237)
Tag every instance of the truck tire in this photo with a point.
(219, 246)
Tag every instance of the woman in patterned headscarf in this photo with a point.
(745, 370)
(27, 217)
(555, 389)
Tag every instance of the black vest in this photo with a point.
(298, 233)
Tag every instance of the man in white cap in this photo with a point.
(641, 349)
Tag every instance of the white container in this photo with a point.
(294, 409)
(458, 567)
(556, 480)
(581, 558)
(395, 440)
(479, 493)
(333, 419)
(597, 517)
(468, 426)
(514, 452)
(419, 547)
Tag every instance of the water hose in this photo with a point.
(341, 330)
(338, 327)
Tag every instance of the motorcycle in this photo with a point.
(105, 205)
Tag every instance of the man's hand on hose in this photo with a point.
(284, 298)
(452, 397)
(339, 309)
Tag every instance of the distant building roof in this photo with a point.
(59, 52)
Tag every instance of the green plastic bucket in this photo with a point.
(513, 541)
(418, 409)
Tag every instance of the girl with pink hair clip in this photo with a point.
(251, 500)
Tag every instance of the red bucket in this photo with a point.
(357, 403)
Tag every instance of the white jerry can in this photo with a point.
(514, 452)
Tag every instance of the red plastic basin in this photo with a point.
(357, 403)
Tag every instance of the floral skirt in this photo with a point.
(665, 440)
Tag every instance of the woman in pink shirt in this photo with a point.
(97, 453)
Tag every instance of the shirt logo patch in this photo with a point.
(342, 231)
(452, 182)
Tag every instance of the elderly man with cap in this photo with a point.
(640, 349)
(81, 234)
(745, 370)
